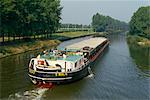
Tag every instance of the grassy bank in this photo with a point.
(24, 47)
(37, 44)
(139, 48)
(137, 40)
(69, 35)
(62, 35)
(73, 34)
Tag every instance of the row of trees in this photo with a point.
(140, 22)
(74, 27)
(23, 18)
(102, 23)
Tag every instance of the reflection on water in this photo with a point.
(115, 77)
(141, 56)
(13, 74)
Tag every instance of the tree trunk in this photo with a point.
(8, 37)
(3, 38)
(47, 35)
(34, 36)
(14, 37)
(19, 35)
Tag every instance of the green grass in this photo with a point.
(20, 48)
(69, 35)
(139, 51)
(55, 35)
(138, 40)
(73, 34)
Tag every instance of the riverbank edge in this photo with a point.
(138, 40)
(26, 47)
(141, 42)
(55, 42)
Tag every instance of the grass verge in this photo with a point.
(137, 40)
(139, 48)
(24, 47)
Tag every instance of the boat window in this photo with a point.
(69, 70)
(75, 65)
(80, 62)
(86, 54)
(57, 65)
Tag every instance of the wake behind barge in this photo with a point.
(68, 64)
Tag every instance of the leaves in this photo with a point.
(28, 17)
(102, 23)
(140, 22)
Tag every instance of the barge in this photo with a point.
(67, 64)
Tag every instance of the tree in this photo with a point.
(102, 23)
(140, 22)
(9, 18)
(29, 17)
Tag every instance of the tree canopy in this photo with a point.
(74, 26)
(140, 22)
(106, 23)
(29, 17)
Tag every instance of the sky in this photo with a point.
(81, 11)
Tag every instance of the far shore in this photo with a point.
(138, 40)
(141, 45)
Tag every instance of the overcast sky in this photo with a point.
(81, 11)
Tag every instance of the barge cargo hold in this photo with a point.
(67, 64)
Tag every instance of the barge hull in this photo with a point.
(70, 77)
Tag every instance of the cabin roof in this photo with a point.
(92, 43)
(72, 58)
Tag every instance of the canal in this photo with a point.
(115, 76)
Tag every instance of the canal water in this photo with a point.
(114, 76)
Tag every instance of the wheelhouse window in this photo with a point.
(75, 65)
(80, 62)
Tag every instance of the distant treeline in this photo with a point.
(140, 22)
(23, 18)
(102, 23)
(74, 27)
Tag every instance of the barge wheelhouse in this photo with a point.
(68, 64)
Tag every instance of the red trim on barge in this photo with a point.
(96, 54)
